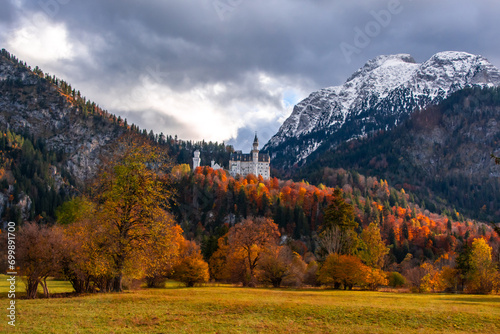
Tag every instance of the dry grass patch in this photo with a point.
(241, 310)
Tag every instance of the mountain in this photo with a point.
(52, 139)
(441, 154)
(48, 109)
(378, 96)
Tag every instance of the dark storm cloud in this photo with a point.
(187, 44)
(150, 119)
(6, 14)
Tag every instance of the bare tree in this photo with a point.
(275, 264)
(335, 240)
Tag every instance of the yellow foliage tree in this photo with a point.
(131, 196)
(372, 248)
(161, 252)
(484, 277)
(191, 268)
(375, 278)
(432, 280)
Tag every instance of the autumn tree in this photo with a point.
(275, 264)
(161, 252)
(372, 248)
(311, 274)
(87, 262)
(345, 270)
(337, 235)
(191, 269)
(220, 263)
(251, 238)
(131, 196)
(374, 278)
(39, 252)
(483, 277)
(432, 281)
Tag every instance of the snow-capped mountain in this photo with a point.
(378, 96)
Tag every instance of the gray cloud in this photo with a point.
(189, 49)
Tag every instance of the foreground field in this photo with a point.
(240, 310)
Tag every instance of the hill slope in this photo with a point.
(52, 140)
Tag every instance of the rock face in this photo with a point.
(378, 96)
(32, 105)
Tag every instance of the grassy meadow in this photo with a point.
(226, 309)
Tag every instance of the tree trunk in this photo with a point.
(119, 262)
(31, 288)
(117, 283)
(43, 283)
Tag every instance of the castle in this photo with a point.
(253, 163)
(243, 164)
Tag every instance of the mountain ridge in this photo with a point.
(378, 96)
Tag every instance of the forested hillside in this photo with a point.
(442, 155)
(33, 182)
(53, 140)
(209, 201)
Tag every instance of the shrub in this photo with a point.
(375, 278)
(396, 280)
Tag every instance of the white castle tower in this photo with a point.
(255, 155)
(253, 163)
(196, 159)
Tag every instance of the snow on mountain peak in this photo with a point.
(383, 61)
(388, 86)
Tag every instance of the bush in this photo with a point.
(375, 278)
(396, 280)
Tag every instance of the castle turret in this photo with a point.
(255, 155)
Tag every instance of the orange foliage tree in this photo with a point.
(191, 269)
(345, 270)
(243, 246)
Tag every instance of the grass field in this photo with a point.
(240, 310)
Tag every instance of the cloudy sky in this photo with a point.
(221, 69)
